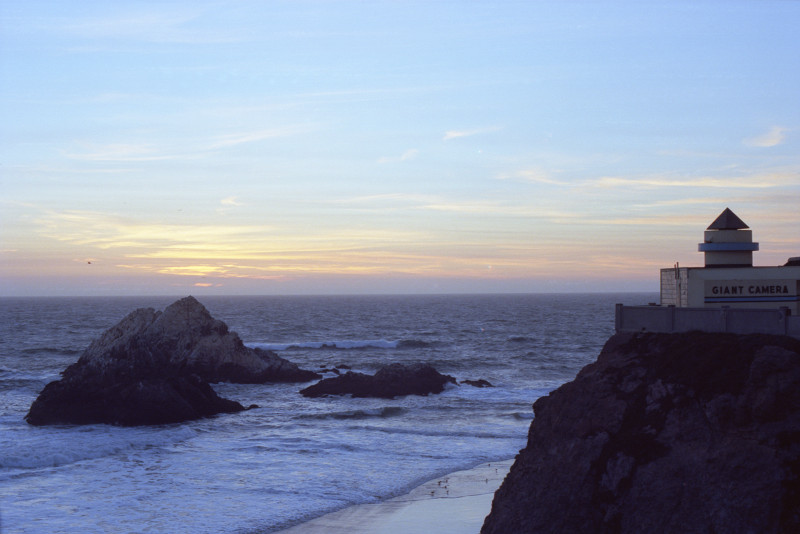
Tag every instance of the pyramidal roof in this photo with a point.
(727, 220)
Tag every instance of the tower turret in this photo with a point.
(728, 242)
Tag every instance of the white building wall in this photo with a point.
(751, 285)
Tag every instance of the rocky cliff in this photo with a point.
(154, 367)
(680, 433)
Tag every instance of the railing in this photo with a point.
(667, 319)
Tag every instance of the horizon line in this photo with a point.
(375, 294)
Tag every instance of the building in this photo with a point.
(729, 277)
(727, 294)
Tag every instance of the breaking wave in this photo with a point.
(380, 413)
(21, 449)
(345, 344)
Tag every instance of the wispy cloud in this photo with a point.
(684, 201)
(191, 148)
(105, 231)
(417, 203)
(455, 134)
(382, 203)
(774, 137)
(121, 152)
(67, 169)
(231, 201)
(227, 204)
(225, 141)
(756, 181)
(656, 182)
(409, 154)
(163, 25)
(531, 176)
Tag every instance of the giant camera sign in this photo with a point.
(750, 290)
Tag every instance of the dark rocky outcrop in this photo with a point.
(683, 433)
(153, 400)
(154, 367)
(391, 381)
(185, 337)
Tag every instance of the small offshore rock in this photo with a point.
(391, 381)
(480, 383)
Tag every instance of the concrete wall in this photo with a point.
(668, 319)
(675, 286)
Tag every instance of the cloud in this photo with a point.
(381, 203)
(531, 176)
(409, 154)
(655, 182)
(64, 169)
(418, 203)
(139, 152)
(119, 152)
(230, 201)
(164, 25)
(455, 134)
(225, 141)
(755, 181)
(104, 231)
(774, 137)
(684, 201)
(390, 197)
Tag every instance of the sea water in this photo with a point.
(292, 458)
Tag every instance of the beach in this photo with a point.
(452, 504)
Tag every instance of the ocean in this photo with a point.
(292, 458)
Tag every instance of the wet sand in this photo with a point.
(453, 504)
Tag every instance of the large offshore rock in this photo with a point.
(185, 337)
(683, 433)
(391, 381)
(154, 367)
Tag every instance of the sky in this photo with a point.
(328, 147)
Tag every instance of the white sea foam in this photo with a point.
(24, 446)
